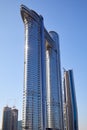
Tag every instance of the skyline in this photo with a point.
(70, 24)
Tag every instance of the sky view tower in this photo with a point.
(42, 93)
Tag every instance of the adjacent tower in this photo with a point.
(10, 118)
(7, 119)
(70, 105)
(53, 83)
(14, 118)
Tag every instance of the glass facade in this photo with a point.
(70, 106)
(32, 93)
(7, 119)
(74, 104)
(42, 95)
(54, 106)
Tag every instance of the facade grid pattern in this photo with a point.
(42, 95)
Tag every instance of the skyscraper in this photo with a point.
(7, 119)
(32, 93)
(10, 118)
(53, 82)
(42, 94)
(14, 118)
(70, 105)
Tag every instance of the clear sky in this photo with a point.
(69, 19)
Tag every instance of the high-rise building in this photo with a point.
(14, 118)
(53, 82)
(42, 93)
(70, 105)
(7, 119)
(10, 118)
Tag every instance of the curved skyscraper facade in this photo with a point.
(42, 93)
(70, 105)
(53, 87)
(32, 93)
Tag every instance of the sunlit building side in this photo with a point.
(70, 105)
(53, 82)
(33, 75)
(42, 94)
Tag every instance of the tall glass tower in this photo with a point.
(42, 93)
(70, 105)
(53, 82)
(32, 93)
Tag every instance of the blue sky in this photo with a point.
(69, 19)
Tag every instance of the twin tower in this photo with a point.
(42, 92)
